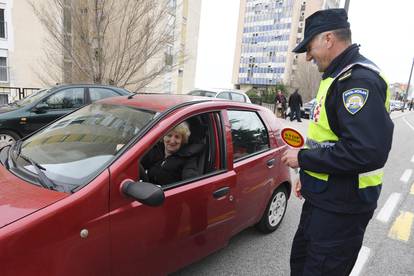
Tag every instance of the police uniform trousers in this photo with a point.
(327, 243)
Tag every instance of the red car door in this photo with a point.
(194, 220)
(252, 161)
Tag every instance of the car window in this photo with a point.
(97, 93)
(32, 98)
(75, 148)
(68, 98)
(224, 95)
(238, 97)
(202, 93)
(248, 133)
(168, 163)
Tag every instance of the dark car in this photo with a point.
(23, 117)
(75, 199)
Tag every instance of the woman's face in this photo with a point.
(172, 141)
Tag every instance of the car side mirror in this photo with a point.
(144, 192)
(40, 108)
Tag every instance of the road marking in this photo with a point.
(363, 256)
(412, 189)
(411, 126)
(388, 208)
(401, 228)
(406, 175)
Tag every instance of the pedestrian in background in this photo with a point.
(295, 103)
(411, 104)
(280, 103)
(347, 145)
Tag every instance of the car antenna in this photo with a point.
(131, 96)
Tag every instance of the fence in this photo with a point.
(11, 94)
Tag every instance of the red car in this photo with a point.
(73, 200)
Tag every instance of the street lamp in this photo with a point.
(408, 86)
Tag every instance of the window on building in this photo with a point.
(2, 24)
(169, 58)
(3, 70)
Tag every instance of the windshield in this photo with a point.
(75, 148)
(32, 98)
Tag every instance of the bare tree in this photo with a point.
(123, 43)
(307, 79)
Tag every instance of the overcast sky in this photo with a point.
(385, 30)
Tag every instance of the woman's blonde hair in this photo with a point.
(184, 130)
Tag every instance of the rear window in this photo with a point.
(238, 97)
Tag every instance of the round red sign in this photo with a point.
(292, 137)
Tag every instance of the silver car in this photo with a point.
(228, 94)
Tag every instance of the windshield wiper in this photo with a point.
(43, 179)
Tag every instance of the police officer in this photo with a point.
(347, 145)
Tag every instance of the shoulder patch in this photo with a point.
(354, 99)
(345, 75)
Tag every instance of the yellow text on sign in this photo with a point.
(401, 228)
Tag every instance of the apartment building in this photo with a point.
(182, 54)
(23, 40)
(268, 31)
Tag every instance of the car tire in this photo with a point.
(275, 211)
(8, 137)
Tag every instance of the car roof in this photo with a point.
(161, 102)
(60, 86)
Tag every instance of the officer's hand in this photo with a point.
(298, 187)
(290, 158)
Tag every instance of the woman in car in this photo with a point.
(173, 159)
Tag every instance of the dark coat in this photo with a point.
(176, 167)
(295, 100)
(365, 140)
(281, 99)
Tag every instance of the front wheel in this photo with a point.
(7, 137)
(275, 211)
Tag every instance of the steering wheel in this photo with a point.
(142, 174)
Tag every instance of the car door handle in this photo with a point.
(270, 163)
(221, 192)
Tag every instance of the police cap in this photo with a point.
(322, 21)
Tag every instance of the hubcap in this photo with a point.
(5, 140)
(277, 208)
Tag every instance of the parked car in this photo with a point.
(228, 94)
(307, 109)
(22, 117)
(74, 200)
(396, 105)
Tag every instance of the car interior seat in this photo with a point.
(199, 135)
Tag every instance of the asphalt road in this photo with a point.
(388, 245)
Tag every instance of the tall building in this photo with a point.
(23, 40)
(268, 31)
(183, 52)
